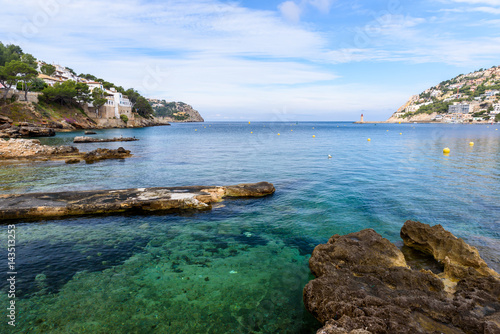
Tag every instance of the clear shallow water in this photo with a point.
(241, 267)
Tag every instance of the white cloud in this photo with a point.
(323, 6)
(290, 11)
(476, 2)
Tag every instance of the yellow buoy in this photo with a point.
(248, 122)
(400, 133)
(399, 122)
(279, 134)
(446, 150)
(251, 132)
(195, 129)
(291, 130)
(369, 139)
(471, 143)
(314, 136)
(387, 130)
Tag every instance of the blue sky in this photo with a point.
(264, 60)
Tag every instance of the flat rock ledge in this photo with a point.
(364, 285)
(83, 139)
(137, 200)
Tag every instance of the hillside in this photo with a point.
(50, 95)
(472, 97)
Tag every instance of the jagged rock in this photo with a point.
(364, 284)
(104, 153)
(5, 126)
(83, 139)
(72, 161)
(90, 132)
(459, 259)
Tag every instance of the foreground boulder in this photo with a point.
(364, 285)
(137, 200)
(459, 259)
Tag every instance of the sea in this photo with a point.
(241, 267)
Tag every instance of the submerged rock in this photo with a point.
(364, 285)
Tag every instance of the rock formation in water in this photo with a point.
(74, 203)
(104, 153)
(364, 285)
(83, 139)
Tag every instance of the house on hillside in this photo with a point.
(51, 81)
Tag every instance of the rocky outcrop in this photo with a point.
(104, 153)
(44, 205)
(25, 131)
(83, 139)
(89, 132)
(459, 259)
(364, 285)
(32, 149)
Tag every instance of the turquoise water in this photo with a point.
(241, 267)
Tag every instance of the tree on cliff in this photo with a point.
(48, 69)
(9, 53)
(143, 108)
(98, 99)
(132, 95)
(26, 73)
(15, 71)
(63, 93)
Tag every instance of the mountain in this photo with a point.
(472, 97)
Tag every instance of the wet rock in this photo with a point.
(83, 139)
(250, 190)
(88, 132)
(72, 161)
(364, 285)
(104, 153)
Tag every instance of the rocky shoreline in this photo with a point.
(48, 205)
(33, 150)
(365, 285)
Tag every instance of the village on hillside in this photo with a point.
(467, 98)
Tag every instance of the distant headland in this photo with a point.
(467, 98)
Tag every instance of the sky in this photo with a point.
(316, 60)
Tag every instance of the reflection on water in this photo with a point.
(240, 268)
